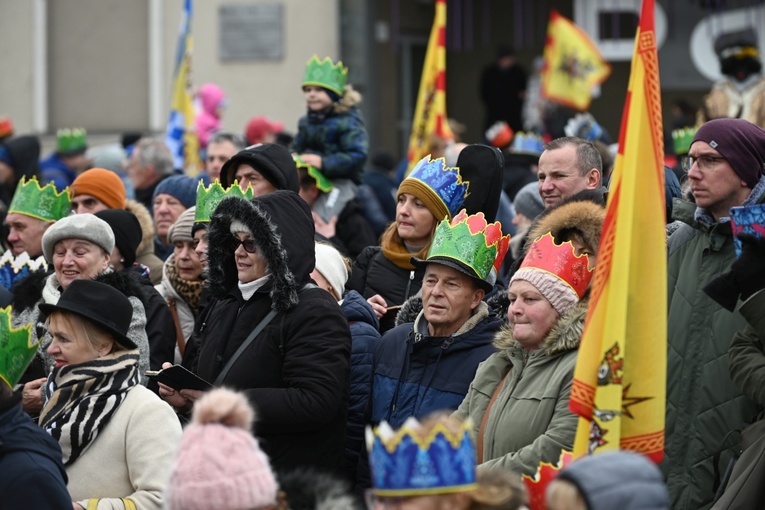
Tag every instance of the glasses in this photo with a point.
(704, 162)
(248, 245)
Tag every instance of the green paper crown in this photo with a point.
(15, 350)
(209, 198)
(682, 140)
(324, 184)
(326, 74)
(71, 140)
(471, 241)
(42, 203)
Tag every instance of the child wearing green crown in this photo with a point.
(331, 136)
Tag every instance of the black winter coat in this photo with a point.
(353, 232)
(374, 274)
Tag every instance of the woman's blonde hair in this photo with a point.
(82, 328)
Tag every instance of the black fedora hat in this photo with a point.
(99, 303)
(457, 266)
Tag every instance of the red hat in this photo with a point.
(257, 127)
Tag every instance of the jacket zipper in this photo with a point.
(409, 285)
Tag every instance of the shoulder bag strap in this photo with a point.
(178, 330)
(485, 418)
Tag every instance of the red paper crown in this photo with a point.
(536, 486)
(560, 260)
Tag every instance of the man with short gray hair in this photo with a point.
(568, 166)
(150, 163)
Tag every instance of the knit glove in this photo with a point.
(746, 275)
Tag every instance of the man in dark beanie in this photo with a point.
(266, 167)
(725, 167)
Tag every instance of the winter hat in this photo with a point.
(102, 184)
(182, 187)
(740, 142)
(331, 265)
(127, 232)
(259, 126)
(78, 226)
(528, 202)
(621, 479)
(219, 464)
(181, 230)
(273, 161)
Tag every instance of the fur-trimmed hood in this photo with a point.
(564, 336)
(584, 216)
(283, 230)
(147, 226)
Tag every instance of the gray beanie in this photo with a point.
(78, 226)
(528, 202)
(181, 230)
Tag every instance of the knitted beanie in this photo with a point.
(528, 202)
(219, 464)
(332, 267)
(127, 232)
(78, 226)
(102, 184)
(181, 229)
(554, 289)
(182, 187)
(427, 195)
(740, 142)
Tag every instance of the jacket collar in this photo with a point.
(479, 314)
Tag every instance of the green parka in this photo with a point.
(530, 421)
(703, 405)
(747, 351)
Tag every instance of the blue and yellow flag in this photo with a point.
(620, 377)
(572, 64)
(181, 136)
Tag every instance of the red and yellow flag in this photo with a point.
(430, 113)
(620, 377)
(572, 64)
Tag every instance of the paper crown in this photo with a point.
(403, 463)
(71, 140)
(527, 143)
(584, 125)
(536, 487)
(471, 241)
(15, 350)
(500, 134)
(682, 139)
(6, 127)
(560, 261)
(325, 73)
(324, 184)
(209, 198)
(13, 269)
(42, 203)
(445, 182)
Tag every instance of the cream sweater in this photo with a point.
(131, 458)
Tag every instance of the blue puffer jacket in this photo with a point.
(364, 336)
(416, 374)
(340, 139)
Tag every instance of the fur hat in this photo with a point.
(182, 187)
(102, 184)
(330, 263)
(78, 226)
(583, 217)
(740, 142)
(181, 229)
(219, 464)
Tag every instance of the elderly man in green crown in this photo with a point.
(428, 365)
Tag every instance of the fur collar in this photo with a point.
(583, 215)
(147, 227)
(563, 337)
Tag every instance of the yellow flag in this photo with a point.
(572, 64)
(430, 113)
(620, 377)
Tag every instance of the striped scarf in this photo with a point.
(82, 398)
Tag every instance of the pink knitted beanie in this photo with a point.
(220, 465)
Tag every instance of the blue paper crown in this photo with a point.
(445, 181)
(13, 269)
(527, 143)
(406, 464)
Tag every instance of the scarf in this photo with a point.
(399, 254)
(249, 289)
(189, 291)
(82, 398)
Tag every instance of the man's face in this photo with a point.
(167, 208)
(87, 204)
(141, 176)
(714, 184)
(559, 178)
(448, 299)
(217, 155)
(247, 175)
(78, 162)
(26, 234)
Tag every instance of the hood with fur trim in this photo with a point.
(147, 226)
(283, 230)
(564, 336)
(584, 216)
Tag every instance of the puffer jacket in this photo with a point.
(530, 421)
(340, 139)
(364, 335)
(416, 374)
(703, 404)
(374, 274)
(296, 372)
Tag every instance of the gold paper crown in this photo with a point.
(42, 203)
(326, 74)
(209, 198)
(15, 350)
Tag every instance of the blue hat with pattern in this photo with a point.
(439, 187)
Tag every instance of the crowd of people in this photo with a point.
(296, 328)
